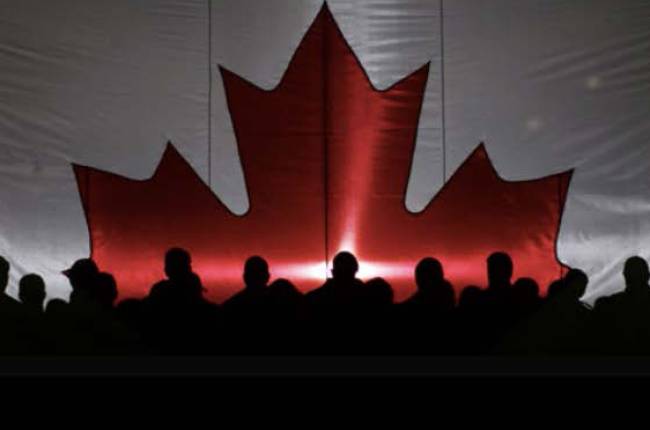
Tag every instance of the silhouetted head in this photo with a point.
(4, 274)
(256, 272)
(31, 291)
(283, 292)
(470, 298)
(106, 290)
(193, 287)
(575, 282)
(526, 291)
(428, 274)
(82, 274)
(636, 273)
(56, 308)
(283, 287)
(345, 266)
(178, 264)
(379, 292)
(499, 268)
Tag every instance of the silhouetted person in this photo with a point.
(574, 286)
(499, 271)
(256, 277)
(525, 297)
(554, 288)
(56, 307)
(343, 288)
(4, 273)
(110, 334)
(377, 320)
(246, 311)
(636, 276)
(181, 285)
(498, 313)
(470, 299)
(78, 323)
(31, 292)
(470, 327)
(284, 299)
(6, 301)
(28, 319)
(178, 264)
(559, 325)
(434, 292)
(11, 316)
(572, 323)
(379, 293)
(177, 318)
(636, 291)
(378, 299)
(83, 280)
(427, 313)
(622, 324)
(131, 313)
(285, 316)
(334, 307)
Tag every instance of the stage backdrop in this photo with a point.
(293, 130)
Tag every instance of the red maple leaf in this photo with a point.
(326, 159)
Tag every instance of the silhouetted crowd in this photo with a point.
(344, 316)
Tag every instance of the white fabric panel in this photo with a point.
(92, 82)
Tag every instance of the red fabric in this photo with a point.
(326, 160)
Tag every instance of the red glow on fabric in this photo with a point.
(326, 159)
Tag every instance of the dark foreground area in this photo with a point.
(345, 316)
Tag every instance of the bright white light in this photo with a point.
(534, 124)
(382, 270)
(593, 82)
(321, 271)
(347, 244)
(317, 271)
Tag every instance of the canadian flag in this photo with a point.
(395, 130)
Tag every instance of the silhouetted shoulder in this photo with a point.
(609, 302)
(8, 301)
(319, 292)
(159, 288)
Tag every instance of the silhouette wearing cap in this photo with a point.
(83, 280)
